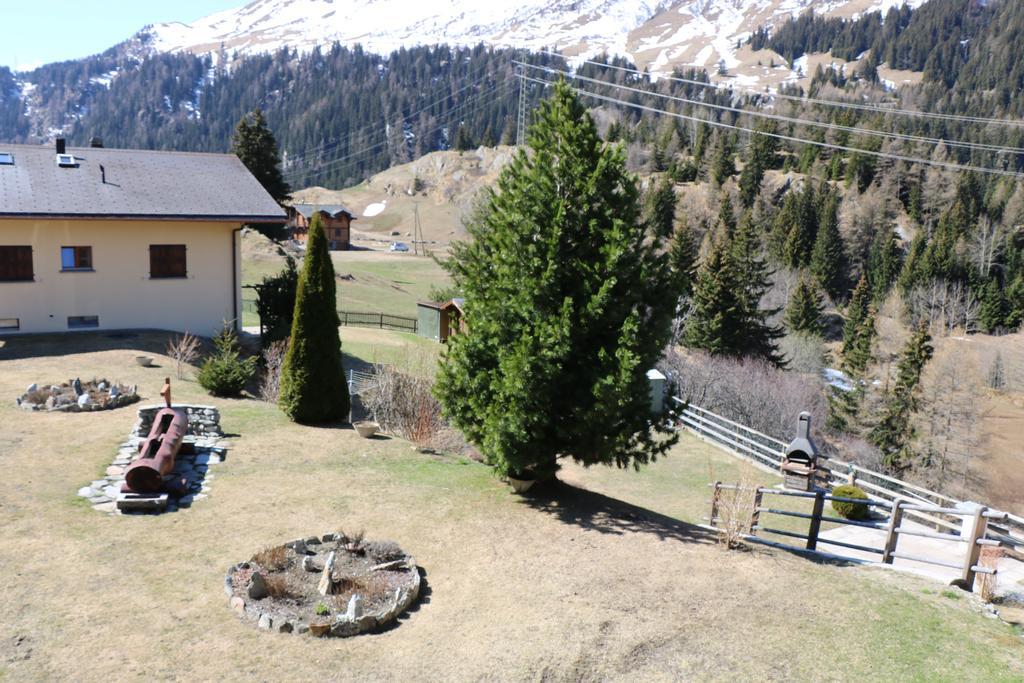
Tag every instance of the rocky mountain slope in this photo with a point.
(654, 33)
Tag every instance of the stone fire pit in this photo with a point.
(75, 396)
(334, 585)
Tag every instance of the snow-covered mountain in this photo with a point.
(655, 33)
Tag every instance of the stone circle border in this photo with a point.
(343, 625)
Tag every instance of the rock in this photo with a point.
(302, 628)
(257, 587)
(109, 506)
(299, 546)
(31, 387)
(96, 500)
(265, 622)
(355, 607)
(77, 386)
(285, 627)
(327, 538)
(326, 585)
(238, 606)
(309, 565)
(312, 540)
(102, 386)
(114, 392)
(51, 402)
(111, 491)
(85, 491)
(84, 400)
(115, 471)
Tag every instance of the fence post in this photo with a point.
(812, 532)
(755, 513)
(979, 526)
(891, 537)
(715, 498)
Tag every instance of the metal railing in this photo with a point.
(767, 453)
(358, 382)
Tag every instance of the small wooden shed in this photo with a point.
(439, 320)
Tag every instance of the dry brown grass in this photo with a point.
(278, 586)
(272, 559)
(599, 584)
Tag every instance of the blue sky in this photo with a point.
(41, 31)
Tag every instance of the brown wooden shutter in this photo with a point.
(167, 260)
(16, 263)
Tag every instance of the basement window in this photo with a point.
(75, 258)
(10, 324)
(80, 322)
(6, 159)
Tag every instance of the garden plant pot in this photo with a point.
(319, 629)
(366, 429)
(144, 361)
(520, 485)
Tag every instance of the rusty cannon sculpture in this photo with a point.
(158, 452)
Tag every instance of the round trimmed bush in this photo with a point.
(849, 510)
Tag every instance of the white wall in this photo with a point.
(119, 289)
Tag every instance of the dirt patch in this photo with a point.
(334, 585)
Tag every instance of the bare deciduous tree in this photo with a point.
(948, 419)
(752, 392)
(273, 359)
(944, 307)
(184, 351)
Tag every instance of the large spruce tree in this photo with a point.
(313, 386)
(256, 146)
(803, 313)
(894, 433)
(566, 307)
(827, 260)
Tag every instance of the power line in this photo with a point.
(453, 114)
(790, 138)
(306, 153)
(789, 119)
(878, 108)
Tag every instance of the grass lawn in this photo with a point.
(602, 578)
(375, 281)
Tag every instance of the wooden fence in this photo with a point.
(926, 506)
(893, 527)
(384, 321)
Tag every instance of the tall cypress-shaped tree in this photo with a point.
(565, 307)
(256, 146)
(313, 386)
(827, 255)
(803, 314)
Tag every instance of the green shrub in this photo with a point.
(226, 373)
(849, 510)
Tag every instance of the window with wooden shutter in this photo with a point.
(167, 260)
(16, 264)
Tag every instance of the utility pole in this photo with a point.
(417, 232)
(521, 119)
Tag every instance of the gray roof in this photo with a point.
(332, 210)
(139, 184)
